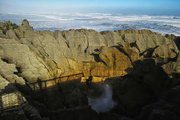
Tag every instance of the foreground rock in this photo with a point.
(13, 105)
(165, 109)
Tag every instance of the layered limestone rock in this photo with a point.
(166, 52)
(20, 57)
(172, 67)
(47, 55)
(29, 58)
(144, 40)
(11, 99)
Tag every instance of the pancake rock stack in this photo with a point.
(27, 55)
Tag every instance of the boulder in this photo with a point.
(25, 26)
(112, 38)
(130, 94)
(8, 71)
(23, 59)
(110, 62)
(145, 40)
(131, 52)
(11, 34)
(172, 67)
(12, 100)
(178, 57)
(166, 51)
(165, 109)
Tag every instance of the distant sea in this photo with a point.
(163, 24)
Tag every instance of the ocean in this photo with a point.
(163, 24)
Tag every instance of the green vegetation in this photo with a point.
(24, 33)
(2, 30)
(13, 24)
(7, 25)
(10, 25)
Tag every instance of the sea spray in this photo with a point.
(104, 102)
(98, 21)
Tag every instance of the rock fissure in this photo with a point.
(43, 47)
(67, 44)
(41, 60)
(87, 46)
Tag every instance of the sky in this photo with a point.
(25, 6)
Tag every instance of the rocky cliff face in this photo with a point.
(46, 55)
(28, 55)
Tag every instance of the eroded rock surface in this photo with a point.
(48, 55)
(148, 61)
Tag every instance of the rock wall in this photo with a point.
(46, 55)
(150, 59)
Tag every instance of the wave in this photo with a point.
(98, 21)
(55, 17)
(176, 17)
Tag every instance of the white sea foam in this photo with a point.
(103, 103)
(98, 21)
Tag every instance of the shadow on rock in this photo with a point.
(145, 83)
(168, 108)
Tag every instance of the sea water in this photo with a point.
(163, 24)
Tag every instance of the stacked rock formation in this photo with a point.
(46, 55)
(27, 55)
